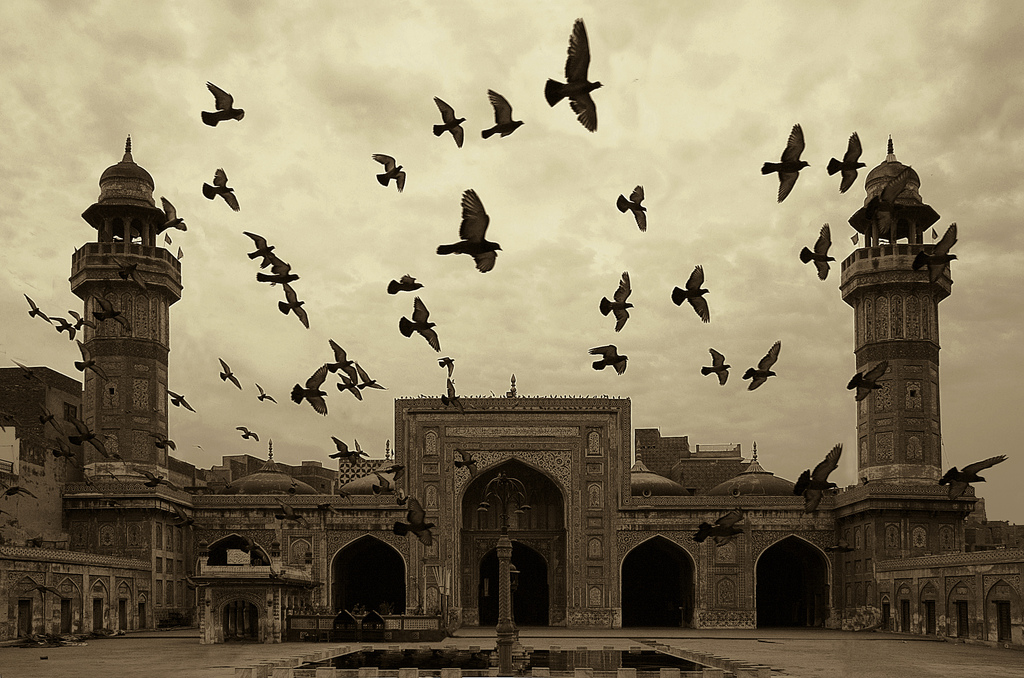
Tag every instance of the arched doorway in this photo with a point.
(368, 572)
(240, 620)
(792, 585)
(657, 585)
(530, 599)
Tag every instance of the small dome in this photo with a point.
(888, 169)
(645, 483)
(753, 481)
(914, 214)
(126, 183)
(268, 480)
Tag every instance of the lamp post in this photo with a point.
(505, 490)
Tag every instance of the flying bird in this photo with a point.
(812, 484)
(327, 506)
(577, 88)
(225, 107)
(288, 513)
(365, 381)
(760, 374)
(15, 490)
(417, 523)
(59, 448)
(312, 393)
(43, 588)
(959, 480)
(171, 218)
(694, 294)
(820, 254)
(452, 398)
(84, 435)
(609, 356)
(27, 371)
(178, 400)
(65, 326)
(842, 546)
(849, 164)
(126, 271)
(162, 442)
(419, 323)
(220, 187)
(633, 204)
(451, 123)
(718, 367)
(467, 462)
(620, 305)
(349, 384)
(283, 276)
(45, 418)
(472, 231)
(87, 363)
(108, 312)
(292, 304)
(791, 164)
(263, 249)
(247, 434)
(391, 171)
(81, 322)
(882, 209)
(263, 395)
(447, 362)
(406, 284)
(724, 529)
(939, 257)
(226, 374)
(341, 361)
(152, 479)
(34, 311)
(503, 122)
(867, 380)
(351, 456)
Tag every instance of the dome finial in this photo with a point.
(755, 451)
(890, 154)
(128, 150)
(270, 450)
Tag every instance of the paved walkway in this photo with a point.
(810, 653)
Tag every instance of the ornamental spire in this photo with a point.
(128, 150)
(890, 154)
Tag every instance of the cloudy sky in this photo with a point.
(696, 97)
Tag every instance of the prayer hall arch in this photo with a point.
(368, 571)
(791, 584)
(658, 578)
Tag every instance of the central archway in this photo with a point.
(530, 599)
(792, 585)
(657, 585)
(368, 572)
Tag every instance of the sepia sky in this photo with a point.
(695, 97)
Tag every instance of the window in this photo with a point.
(170, 594)
(70, 412)
(159, 565)
(170, 566)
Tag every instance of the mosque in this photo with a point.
(607, 541)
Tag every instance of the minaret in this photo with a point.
(129, 408)
(896, 318)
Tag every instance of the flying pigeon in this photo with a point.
(126, 271)
(327, 506)
(312, 393)
(226, 374)
(724, 529)
(406, 284)
(35, 310)
(694, 294)
(820, 254)
(867, 380)
(263, 395)
(503, 122)
(577, 88)
(171, 218)
(152, 479)
(718, 367)
(220, 187)
(59, 448)
(162, 442)
(472, 231)
(341, 361)
(467, 462)
(451, 123)
(247, 434)
(611, 357)
(281, 275)
(293, 304)
(65, 326)
(417, 525)
(419, 323)
(81, 322)
(45, 418)
(882, 208)
(939, 257)
(27, 371)
(350, 384)
(351, 456)
(812, 484)
(620, 305)
(108, 312)
(447, 362)
(760, 375)
(849, 165)
(15, 490)
(225, 107)
(842, 546)
(452, 398)
(288, 513)
(365, 381)
(633, 204)
(84, 435)
(391, 171)
(87, 363)
(179, 400)
(959, 480)
(791, 163)
(263, 249)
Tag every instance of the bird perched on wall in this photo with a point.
(35, 312)
(472, 231)
(392, 170)
(263, 395)
(108, 312)
(959, 480)
(867, 380)
(718, 367)
(447, 362)
(609, 356)
(130, 270)
(406, 284)
(81, 322)
(452, 398)
(417, 524)
(467, 462)
(760, 374)
(84, 435)
(292, 304)
(620, 305)
(247, 434)
(820, 254)
(178, 400)
(849, 164)
(577, 88)
(421, 324)
(724, 530)
(220, 187)
(451, 123)
(791, 164)
(312, 393)
(225, 104)
(503, 122)
(15, 490)
(812, 484)
(171, 218)
(694, 294)
(351, 456)
(226, 374)
(939, 258)
(633, 205)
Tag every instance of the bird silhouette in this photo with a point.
(791, 164)
(452, 398)
(724, 530)
(349, 384)
(35, 312)
(472, 231)
(220, 187)
(451, 123)
(577, 88)
(273, 278)
(162, 442)
(718, 367)
(263, 249)
(633, 204)
(81, 322)
(406, 284)
(152, 479)
(351, 456)
(43, 588)
(27, 372)
(939, 258)
(263, 395)
(327, 506)
(60, 448)
(225, 107)
(292, 304)
(130, 270)
(365, 381)
(760, 374)
(226, 374)
(178, 400)
(391, 171)
(84, 435)
(609, 356)
(447, 362)
(620, 305)
(503, 122)
(88, 363)
(812, 484)
(341, 361)
(15, 490)
(247, 434)
(849, 164)
(171, 218)
(820, 254)
(420, 323)
(288, 513)
(842, 546)
(467, 462)
(694, 294)
(959, 480)
(417, 524)
(65, 326)
(108, 312)
(867, 380)
(882, 210)
(45, 418)
(312, 393)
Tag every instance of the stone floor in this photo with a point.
(807, 653)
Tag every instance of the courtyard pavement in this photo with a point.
(810, 653)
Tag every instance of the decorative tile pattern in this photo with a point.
(914, 450)
(881, 318)
(869, 320)
(882, 396)
(140, 394)
(725, 592)
(512, 431)
(593, 444)
(913, 318)
(883, 447)
(897, 317)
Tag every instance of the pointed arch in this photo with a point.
(657, 579)
(792, 584)
(367, 571)
(218, 550)
(531, 600)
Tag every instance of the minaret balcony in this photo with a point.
(158, 266)
(891, 263)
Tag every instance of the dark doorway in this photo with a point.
(657, 585)
(886, 616)
(24, 617)
(792, 585)
(529, 601)
(142, 615)
(122, 614)
(929, 616)
(368, 572)
(962, 624)
(241, 621)
(97, 614)
(905, 616)
(1002, 620)
(65, 615)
